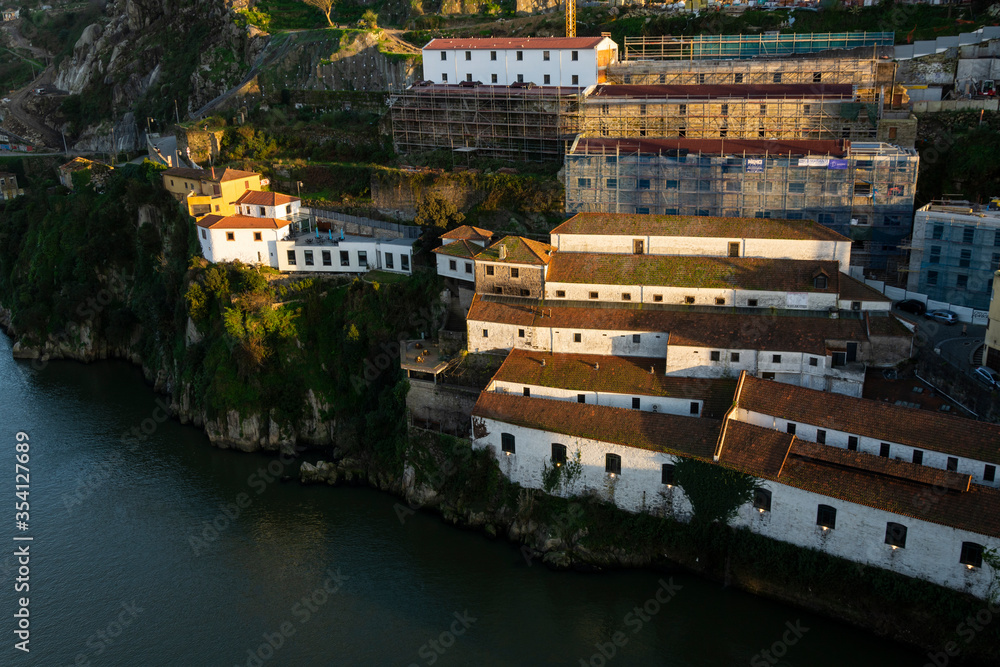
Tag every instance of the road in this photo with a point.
(15, 108)
(948, 341)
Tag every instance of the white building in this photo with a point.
(544, 61)
(459, 247)
(260, 204)
(330, 253)
(241, 238)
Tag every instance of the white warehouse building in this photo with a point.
(544, 61)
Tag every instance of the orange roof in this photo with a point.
(519, 251)
(462, 249)
(526, 43)
(206, 174)
(468, 233)
(638, 224)
(261, 198)
(240, 222)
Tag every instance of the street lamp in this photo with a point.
(298, 188)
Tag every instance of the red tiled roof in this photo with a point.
(658, 432)
(637, 224)
(856, 290)
(746, 273)
(261, 198)
(525, 43)
(728, 331)
(738, 91)
(459, 249)
(206, 174)
(914, 427)
(823, 147)
(468, 233)
(240, 222)
(519, 251)
(620, 375)
(754, 450)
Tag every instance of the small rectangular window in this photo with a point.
(486, 333)
(309, 257)
(452, 265)
(388, 261)
(507, 443)
(734, 357)
(635, 403)
(593, 295)
(230, 236)
(895, 535)
(689, 300)
(468, 77)
(762, 500)
(489, 269)
(971, 554)
(694, 408)
(526, 391)
(777, 77)
(560, 294)
(821, 436)
(826, 517)
(581, 398)
(932, 277)
(558, 453)
(493, 55)
(738, 77)
(291, 257)
(968, 234)
(577, 338)
(852, 443)
(952, 464)
(545, 55)
(257, 236)
(574, 55)
(468, 55)
(515, 272)
(613, 464)
(493, 78)
(752, 303)
(720, 301)
(444, 77)
(989, 473)
(547, 79)
(636, 338)
(790, 428)
(520, 333)
(363, 259)
(776, 358)
(520, 55)
(327, 261)
(345, 258)
(667, 474)
(813, 361)
(657, 298)
(444, 55)
(937, 232)
(918, 457)
(715, 355)
(883, 450)
(626, 296)
(203, 234)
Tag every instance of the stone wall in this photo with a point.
(397, 193)
(203, 144)
(501, 282)
(446, 405)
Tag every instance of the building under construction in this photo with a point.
(520, 122)
(862, 190)
(759, 45)
(748, 111)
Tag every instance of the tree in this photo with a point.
(325, 6)
(434, 211)
(368, 20)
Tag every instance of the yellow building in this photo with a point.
(991, 353)
(209, 190)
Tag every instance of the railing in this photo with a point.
(405, 231)
(721, 47)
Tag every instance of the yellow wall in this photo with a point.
(204, 199)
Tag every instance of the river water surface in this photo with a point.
(115, 580)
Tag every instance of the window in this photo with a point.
(577, 338)
(575, 80)
(291, 257)
(520, 78)
(327, 261)
(775, 358)
(738, 77)
(817, 77)
(468, 266)
(752, 303)
(363, 259)
(468, 77)
(689, 299)
(613, 464)
(796, 188)
(486, 333)
(635, 403)
(968, 234)
(444, 77)
(560, 294)
(643, 184)
(493, 78)
(720, 301)
(345, 258)
(701, 78)
(667, 474)
(937, 232)
(892, 133)
(612, 182)
(918, 457)
(852, 443)
(762, 500)
(388, 261)
(694, 408)
(489, 270)
(965, 259)
(682, 109)
(583, 182)
(558, 453)
(404, 262)
(203, 234)
(971, 555)
(525, 292)
(826, 517)
(626, 296)
(309, 257)
(574, 55)
(657, 298)
(520, 333)
(468, 55)
(895, 535)
(725, 109)
(883, 450)
(493, 55)
(681, 131)
(961, 281)
(734, 248)
(777, 77)
(734, 357)
(452, 265)
(547, 79)
(790, 428)
(820, 282)
(444, 55)
(989, 473)
(935, 254)
(996, 239)
(932, 277)
(636, 338)
(230, 236)
(593, 295)
(507, 443)
(520, 55)
(715, 355)
(288, 210)
(257, 236)
(644, 210)
(813, 361)
(515, 272)
(581, 398)
(526, 391)
(952, 464)
(821, 436)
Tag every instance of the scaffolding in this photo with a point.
(734, 47)
(734, 111)
(862, 190)
(519, 123)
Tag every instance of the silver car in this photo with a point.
(944, 316)
(987, 376)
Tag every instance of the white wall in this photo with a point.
(216, 247)
(702, 296)
(459, 273)
(592, 341)
(662, 404)
(279, 212)
(560, 67)
(351, 247)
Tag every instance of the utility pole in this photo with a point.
(177, 114)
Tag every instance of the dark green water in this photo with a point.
(112, 556)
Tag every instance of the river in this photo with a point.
(316, 575)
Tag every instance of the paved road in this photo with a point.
(947, 340)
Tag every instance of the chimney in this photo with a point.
(651, 370)
(543, 362)
(597, 366)
(503, 251)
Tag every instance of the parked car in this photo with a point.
(943, 316)
(987, 376)
(912, 306)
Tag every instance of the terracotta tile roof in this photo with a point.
(732, 91)
(894, 468)
(206, 174)
(261, 198)
(519, 251)
(459, 249)
(240, 222)
(515, 43)
(234, 174)
(797, 147)
(636, 224)
(728, 331)
(754, 450)
(468, 233)
(747, 273)
(653, 431)
(856, 290)
(885, 325)
(922, 429)
(620, 375)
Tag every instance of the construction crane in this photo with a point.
(571, 18)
